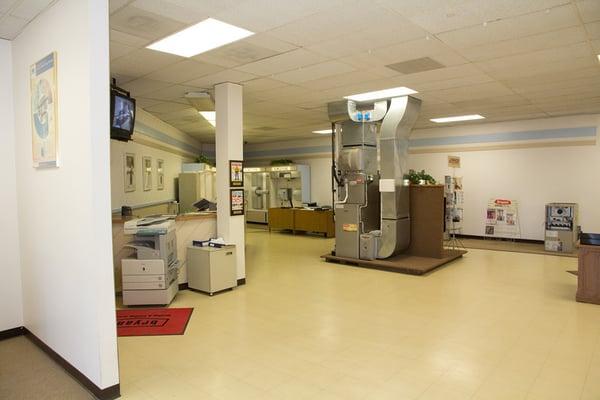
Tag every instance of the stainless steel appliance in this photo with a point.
(291, 185)
(561, 227)
(372, 197)
(257, 185)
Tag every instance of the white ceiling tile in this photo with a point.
(593, 30)
(144, 102)
(259, 84)
(527, 44)
(479, 91)
(142, 61)
(238, 53)
(5, 5)
(512, 28)
(127, 39)
(137, 22)
(474, 79)
(143, 86)
(173, 93)
(316, 71)
(281, 63)
(440, 16)
(170, 9)
(28, 9)
(119, 50)
(184, 71)
(162, 108)
(589, 10)
(115, 5)
(341, 79)
(229, 75)
(262, 15)
(11, 26)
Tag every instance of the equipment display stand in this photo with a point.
(454, 210)
(426, 251)
(588, 274)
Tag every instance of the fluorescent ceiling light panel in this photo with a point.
(210, 116)
(598, 57)
(323, 132)
(382, 94)
(204, 36)
(457, 118)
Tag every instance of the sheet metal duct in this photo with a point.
(393, 152)
(367, 190)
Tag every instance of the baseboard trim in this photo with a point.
(535, 241)
(110, 393)
(13, 332)
(241, 282)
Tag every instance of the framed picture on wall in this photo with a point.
(44, 112)
(129, 172)
(147, 172)
(236, 201)
(236, 173)
(160, 174)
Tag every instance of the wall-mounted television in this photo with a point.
(122, 115)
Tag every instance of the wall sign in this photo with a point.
(236, 173)
(129, 172)
(44, 112)
(147, 175)
(502, 219)
(453, 161)
(236, 201)
(160, 174)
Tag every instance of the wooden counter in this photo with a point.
(426, 221)
(299, 219)
(588, 274)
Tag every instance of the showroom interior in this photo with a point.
(255, 199)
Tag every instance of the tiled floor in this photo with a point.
(27, 373)
(493, 325)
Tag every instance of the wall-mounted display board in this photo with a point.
(147, 168)
(236, 173)
(129, 172)
(44, 112)
(236, 202)
(502, 219)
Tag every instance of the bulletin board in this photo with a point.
(502, 219)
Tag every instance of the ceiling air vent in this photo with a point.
(416, 65)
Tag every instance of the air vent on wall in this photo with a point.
(416, 65)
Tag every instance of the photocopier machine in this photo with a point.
(151, 277)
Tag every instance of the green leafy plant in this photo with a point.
(205, 160)
(281, 162)
(416, 177)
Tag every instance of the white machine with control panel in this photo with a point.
(150, 277)
(561, 227)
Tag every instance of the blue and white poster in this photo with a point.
(44, 112)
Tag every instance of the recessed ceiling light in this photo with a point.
(457, 118)
(204, 36)
(598, 57)
(382, 94)
(210, 116)
(323, 132)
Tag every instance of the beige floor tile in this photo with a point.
(490, 326)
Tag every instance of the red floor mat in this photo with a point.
(153, 321)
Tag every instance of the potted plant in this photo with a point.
(419, 178)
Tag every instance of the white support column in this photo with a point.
(229, 145)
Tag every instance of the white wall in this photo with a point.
(64, 213)
(533, 172)
(533, 176)
(11, 308)
(172, 168)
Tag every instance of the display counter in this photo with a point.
(588, 274)
(189, 227)
(301, 219)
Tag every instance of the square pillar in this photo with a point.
(229, 145)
